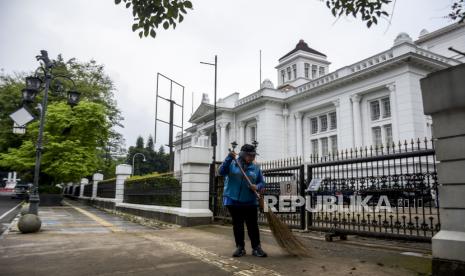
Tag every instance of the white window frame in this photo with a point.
(386, 139)
(334, 146)
(312, 129)
(294, 70)
(307, 70)
(315, 149)
(383, 111)
(332, 125)
(373, 135)
(324, 147)
(323, 118)
(314, 71)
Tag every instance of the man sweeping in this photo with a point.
(241, 199)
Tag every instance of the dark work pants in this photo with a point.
(249, 215)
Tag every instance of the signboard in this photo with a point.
(288, 188)
(21, 116)
(17, 129)
(314, 185)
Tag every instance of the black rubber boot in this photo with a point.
(240, 251)
(258, 252)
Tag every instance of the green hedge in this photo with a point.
(153, 189)
(109, 180)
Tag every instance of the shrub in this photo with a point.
(49, 189)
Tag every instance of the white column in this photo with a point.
(84, 181)
(241, 134)
(337, 105)
(223, 142)
(95, 179)
(286, 131)
(123, 171)
(298, 132)
(306, 138)
(357, 120)
(394, 119)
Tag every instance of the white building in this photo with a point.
(314, 111)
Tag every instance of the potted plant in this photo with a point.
(50, 195)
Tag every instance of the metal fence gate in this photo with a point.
(283, 177)
(404, 174)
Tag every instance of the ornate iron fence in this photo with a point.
(283, 177)
(402, 175)
(87, 190)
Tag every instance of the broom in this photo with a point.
(281, 232)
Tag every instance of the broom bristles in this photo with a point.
(284, 237)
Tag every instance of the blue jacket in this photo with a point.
(236, 186)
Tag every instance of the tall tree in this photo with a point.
(155, 161)
(74, 138)
(95, 87)
(140, 142)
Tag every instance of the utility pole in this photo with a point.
(214, 140)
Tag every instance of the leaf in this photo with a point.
(128, 4)
(135, 26)
(166, 25)
(188, 4)
(152, 33)
(117, 2)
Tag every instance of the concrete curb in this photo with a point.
(14, 220)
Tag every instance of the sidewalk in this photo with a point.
(81, 240)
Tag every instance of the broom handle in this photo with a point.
(246, 177)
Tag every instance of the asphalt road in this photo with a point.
(6, 204)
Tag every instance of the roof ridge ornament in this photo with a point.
(303, 46)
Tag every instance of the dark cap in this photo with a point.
(248, 149)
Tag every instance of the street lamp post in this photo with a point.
(33, 86)
(214, 134)
(133, 159)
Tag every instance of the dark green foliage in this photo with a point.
(49, 189)
(153, 190)
(155, 161)
(458, 11)
(150, 14)
(110, 180)
(368, 10)
(78, 141)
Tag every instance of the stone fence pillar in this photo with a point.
(95, 179)
(195, 186)
(123, 171)
(84, 181)
(444, 99)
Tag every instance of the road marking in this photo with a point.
(9, 211)
(228, 264)
(96, 218)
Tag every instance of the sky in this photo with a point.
(234, 30)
